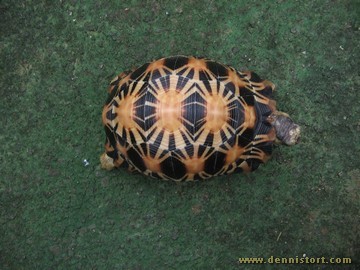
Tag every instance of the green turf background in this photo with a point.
(57, 58)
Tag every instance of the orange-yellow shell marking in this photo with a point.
(168, 110)
(217, 114)
(125, 112)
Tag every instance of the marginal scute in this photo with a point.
(176, 62)
(136, 159)
(215, 163)
(137, 74)
(217, 69)
(187, 118)
(173, 168)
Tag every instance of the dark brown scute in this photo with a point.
(176, 62)
(217, 69)
(138, 72)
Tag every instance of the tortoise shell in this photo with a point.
(188, 118)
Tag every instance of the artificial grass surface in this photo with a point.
(57, 58)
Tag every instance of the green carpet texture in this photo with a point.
(60, 210)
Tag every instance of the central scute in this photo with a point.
(179, 111)
(168, 110)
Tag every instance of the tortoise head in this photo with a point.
(287, 132)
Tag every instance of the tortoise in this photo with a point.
(191, 118)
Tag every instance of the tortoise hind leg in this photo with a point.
(111, 158)
(107, 162)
